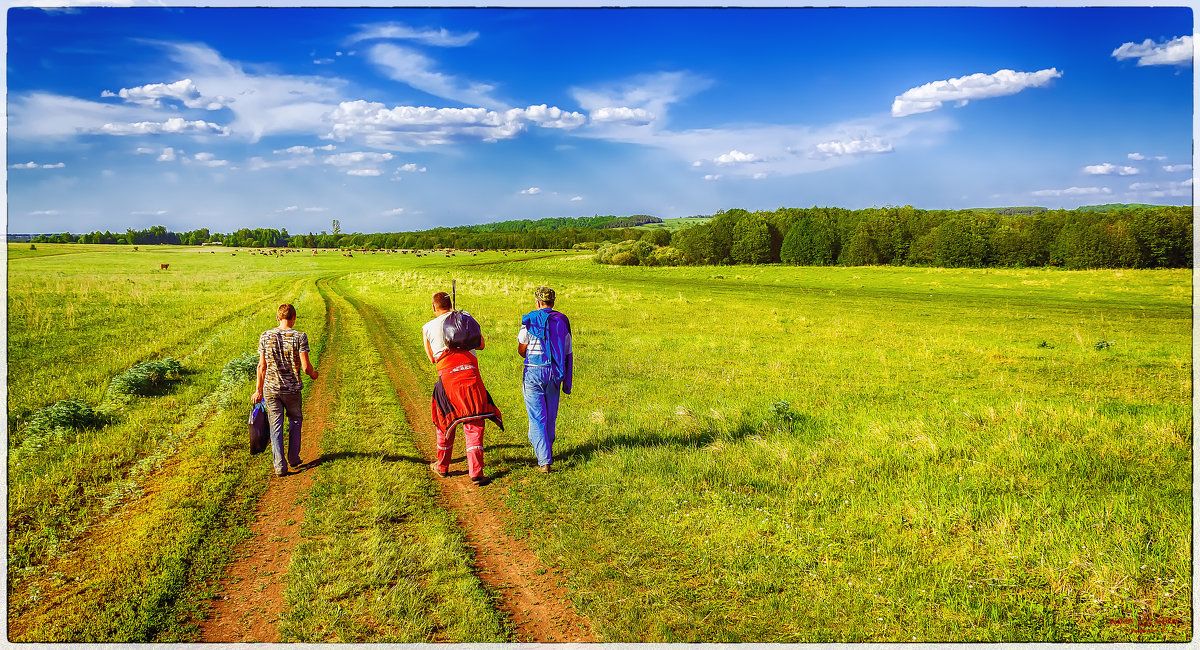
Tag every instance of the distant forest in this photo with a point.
(1113, 236)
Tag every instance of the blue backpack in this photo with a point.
(259, 438)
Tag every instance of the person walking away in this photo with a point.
(459, 396)
(545, 341)
(282, 354)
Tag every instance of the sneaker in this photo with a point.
(437, 470)
(281, 474)
(545, 469)
(295, 464)
(480, 480)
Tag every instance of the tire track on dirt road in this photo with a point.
(536, 604)
(250, 599)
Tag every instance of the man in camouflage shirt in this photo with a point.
(282, 353)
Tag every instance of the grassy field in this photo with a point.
(750, 454)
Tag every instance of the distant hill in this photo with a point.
(676, 224)
(1014, 210)
(1109, 207)
(558, 223)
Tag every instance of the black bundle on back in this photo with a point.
(461, 331)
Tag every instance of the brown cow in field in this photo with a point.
(163, 267)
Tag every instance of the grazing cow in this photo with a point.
(163, 266)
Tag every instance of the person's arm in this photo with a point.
(482, 341)
(429, 351)
(261, 376)
(521, 348)
(307, 365)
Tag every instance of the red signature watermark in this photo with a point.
(1146, 622)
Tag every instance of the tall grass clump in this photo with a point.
(56, 421)
(144, 379)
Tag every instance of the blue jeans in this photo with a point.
(541, 402)
(277, 406)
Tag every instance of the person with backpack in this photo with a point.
(459, 396)
(282, 354)
(544, 340)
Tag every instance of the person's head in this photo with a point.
(441, 301)
(285, 312)
(544, 296)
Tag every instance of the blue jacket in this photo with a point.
(554, 330)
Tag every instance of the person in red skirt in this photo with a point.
(459, 396)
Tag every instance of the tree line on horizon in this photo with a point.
(1120, 237)
(1141, 237)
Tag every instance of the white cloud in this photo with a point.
(734, 157)
(363, 172)
(410, 167)
(1177, 168)
(854, 146)
(58, 165)
(174, 125)
(1163, 190)
(28, 165)
(1177, 51)
(143, 150)
(712, 177)
(410, 127)
(1107, 169)
(43, 213)
(400, 31)
(576, 198)
(639, 101)
(395, 212)
(183, 91)
(357, 158)
(961, 90)
(759, 176)
(298, 150)
(291, 208)
(209, 160)
(167, 155)
(148, 213)
(415, 69)
(551, 117)
(623, 115)
(1073, 191)
(532, 190)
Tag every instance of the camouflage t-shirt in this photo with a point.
(282, 348)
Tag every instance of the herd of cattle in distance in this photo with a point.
(448, 252)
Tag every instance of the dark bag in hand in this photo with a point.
(461, 331)
(259, 437)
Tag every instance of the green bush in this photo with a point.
(240, 369)
(145, 378)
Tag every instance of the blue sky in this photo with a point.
(394, 119)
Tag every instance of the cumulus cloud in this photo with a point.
(961, 90)
(408, 127)
(167, 155)
(622, 115)
(58, 165)
(400, 31)
(410, 67)
(735, 157)
(1073, 191)
(394, 212)
(410, 167)
(363, 172)
(1108, 169)
(532, 190)
(576, 198)
(1138, 156)
(1177, 168)
(28, 165)
(174, 125)
(712, 177)
(1177, 51)
(183, 91)
(854, 146)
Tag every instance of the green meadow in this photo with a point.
(750, 454)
